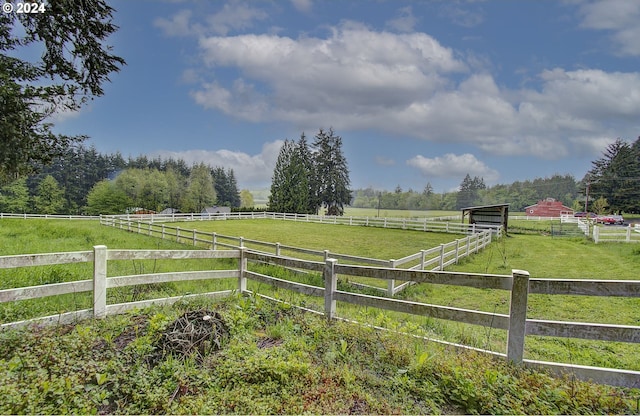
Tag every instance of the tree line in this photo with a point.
(474, 192)
(83, 181)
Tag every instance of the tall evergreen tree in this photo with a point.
(615, 176)
(469, 195)
(75, 62)
(331, 172)
(289, 184)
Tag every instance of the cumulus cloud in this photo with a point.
(409, 84)
(620, 17)
(250, 170)
(233, 16)
(451, 165)
(304, 6)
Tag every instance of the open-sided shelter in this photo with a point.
(494, 215)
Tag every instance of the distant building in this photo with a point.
(169, 211)
(547, 208)
(216, 210)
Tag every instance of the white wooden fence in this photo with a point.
(421, 224)
(436, 258)
(615, 234)
(516, 323)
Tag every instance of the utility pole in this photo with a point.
(586, 202)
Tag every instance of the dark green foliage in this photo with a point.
(291, 189)
(72, 69)
(469, 193)
(226, 187)
(331, 172)
(615, 176)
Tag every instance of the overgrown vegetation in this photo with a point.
(275, 359)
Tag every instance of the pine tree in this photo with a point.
(331, 173)
(615, 176)
(468, 194)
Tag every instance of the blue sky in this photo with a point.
(419, 91)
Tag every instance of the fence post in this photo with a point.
(241, 240)
(441, 257)
(163, 231)
(457, 249)
(330, 286)
(629, 233)
(596, 234)
(195, 237)
(99, 281)
(150, 230)
(214, 243)
(391, 283)
(242, 268)
(277, 249)
(422, 258)
(517, 316)
(177, 234)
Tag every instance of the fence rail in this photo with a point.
(437, 258)
(516, 324)
(615, 234)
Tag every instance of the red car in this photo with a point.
(610, 219)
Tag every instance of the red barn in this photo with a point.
(547, 208)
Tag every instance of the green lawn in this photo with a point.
(541, 255)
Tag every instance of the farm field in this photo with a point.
(542, 256)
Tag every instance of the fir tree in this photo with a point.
(331, 172)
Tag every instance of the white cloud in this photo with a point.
(617, 16)
(451, 165)
(250, 170)
(233, 16)
(304, 6)
(410, 85)
(178, 25)
(405, 22)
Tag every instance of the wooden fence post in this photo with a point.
(457, 249)
(391, 283)
(195, 237)
(99, 281)
(277, 249)
(422, 258)
(596, 233)
(177, 234)
(517, 316)
(629, 233)
(242, 267)
(163, 231)
(441, 257)
(330, 286)
(214, 243)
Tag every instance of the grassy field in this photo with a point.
(396, 213)
(334, 372)
(49, 236)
